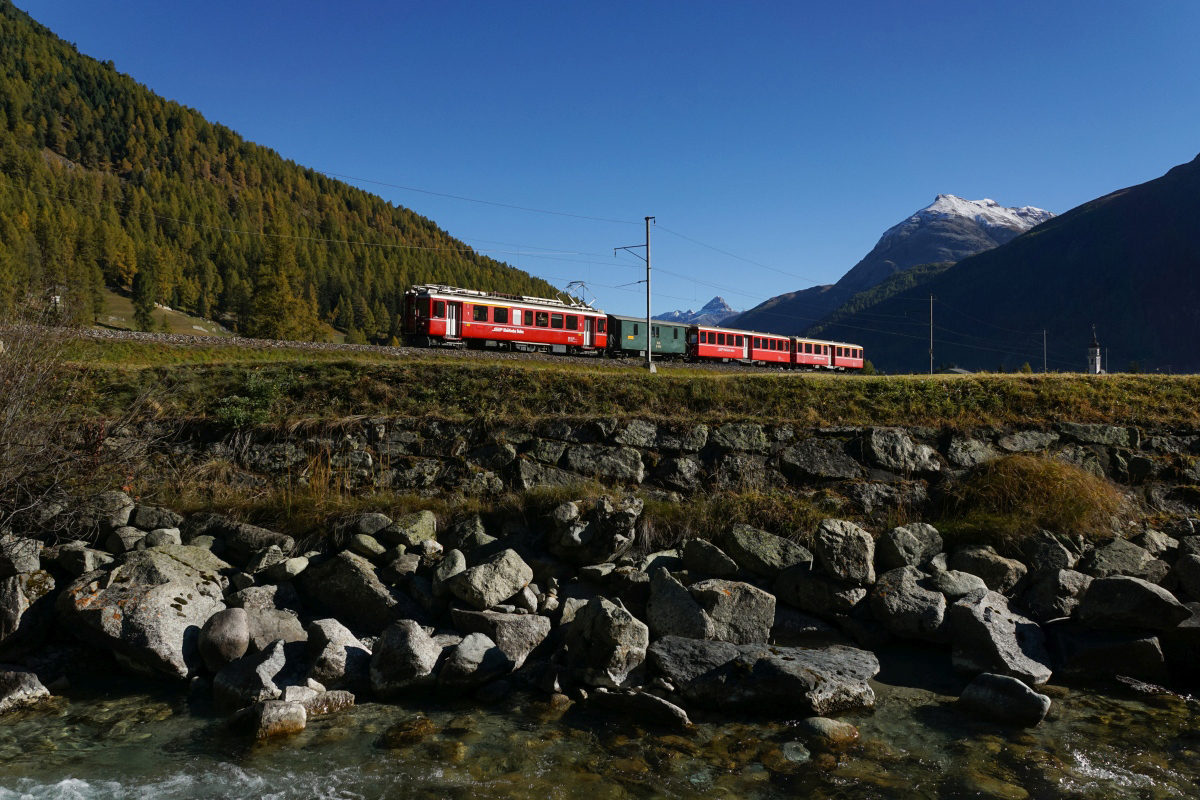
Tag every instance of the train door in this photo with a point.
(454, 319)
(746, 346)
(589, 337)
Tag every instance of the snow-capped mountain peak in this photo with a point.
(987, 213)
(712, 313)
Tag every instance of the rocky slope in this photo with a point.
(565, 603)
(947, 230)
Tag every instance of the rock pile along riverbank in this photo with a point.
(748, 622)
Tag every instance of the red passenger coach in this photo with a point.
(444, 315)
(847, 356)
(705, 342)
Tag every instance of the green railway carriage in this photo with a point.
(627, 338)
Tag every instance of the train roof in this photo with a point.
(655, 321)
(774, 335)
(570, 304)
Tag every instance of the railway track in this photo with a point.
(189, 340)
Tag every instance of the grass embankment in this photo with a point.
(997, 505)
(196, 382)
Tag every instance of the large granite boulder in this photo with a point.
(492, 582)
(1085, 652)
(404, 656)
(765, 679)
(818, 594)
(410, 530)
(736, 612)
(19, 688)
(990, 637)
(1121, 557)
(907, 609)
(895, 451)
(999, 573)
(1004, 698)
(348, 586)
(846, 551)
(909, 545)
(26, 612)
(1187, 574)
(473, 662)
(1054, 593)
(224, 638)
(339, 658)
(250, 679)
(1045, 551)
(819, 459)
(671, 609)
(602, 535)
(616, 464)
(763, 553)
(19, 555)
(701, 557)
(150, 607)
(606, 645)
(517, 635)
(1124, 602)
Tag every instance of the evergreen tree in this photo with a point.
(144, 291)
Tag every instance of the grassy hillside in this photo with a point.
(293, 385)
(102, 180)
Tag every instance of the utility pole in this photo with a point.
(1044, 351)
(649, 330)
(930, 334)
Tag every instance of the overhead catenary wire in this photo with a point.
(474, 199)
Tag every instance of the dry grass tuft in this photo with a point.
(1005, 500)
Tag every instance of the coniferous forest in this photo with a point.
(104, 183)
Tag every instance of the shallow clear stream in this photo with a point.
(155, 743)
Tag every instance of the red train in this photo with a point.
(770, 349)
(444, 315)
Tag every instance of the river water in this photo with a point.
(138, 742)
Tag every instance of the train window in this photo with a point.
(720, 338)
(556, 321)
(654, 331)
(500, 315)
(543, 319)
(703, 337)
(439, 309)
(756, 343)
(481, 313)
(572, 323)
(528, 317)
(635, 329)
(740, 341)
(676, 333)
(601, 325)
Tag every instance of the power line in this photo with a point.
(740, 258)
(474, 200)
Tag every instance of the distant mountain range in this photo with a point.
(1128, 262)
(946, 231)
(714, 312)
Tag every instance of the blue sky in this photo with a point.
(789, 134)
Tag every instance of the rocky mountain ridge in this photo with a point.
(947, 230)
(714, 312)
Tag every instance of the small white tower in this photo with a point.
(1093, 362)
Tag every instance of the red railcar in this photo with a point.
(445, 315)
(708, 343)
